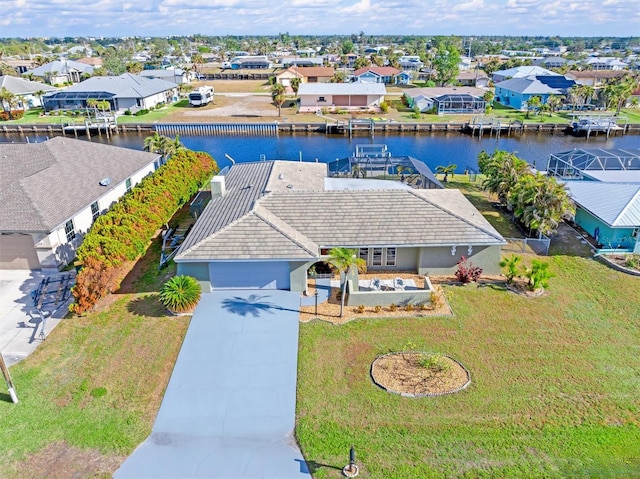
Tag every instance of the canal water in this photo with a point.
(432, 148)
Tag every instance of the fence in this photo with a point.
(538, 246)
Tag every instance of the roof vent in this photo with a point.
(281, 176)
(105, 181)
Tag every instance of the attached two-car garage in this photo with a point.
(250, 275)
(17, 251)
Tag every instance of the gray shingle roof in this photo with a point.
(250, 223)
(62, 67)
(528, 86)
(123, 86)
(20, 86)
(42, 185)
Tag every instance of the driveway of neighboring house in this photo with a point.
(229, 408)
(21, 326)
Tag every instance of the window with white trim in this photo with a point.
(377, 257)
(364, 254)
(70, 230)
(95, 211)
(390, 257)
(127, 184)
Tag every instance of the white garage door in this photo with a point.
(17, 252)
(250, 275)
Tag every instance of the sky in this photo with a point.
(50, 18)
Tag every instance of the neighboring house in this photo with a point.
(520, 72)
(350, 96)
(388, 75)
(124, 92)
(606, 63)
(605, 186)
(62, 71)
(20, 66)
(173, 75)
(477, 79)
(516, 92)
(410, 62)
(25, 91)
(246, 62)
(551, 62)
(51, 192)
(306, 75)
(95, 62)
(302, 62)
(446, 100)
(269, 222)
(594, 78)
(609, 212)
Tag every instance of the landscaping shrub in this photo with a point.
(123, 233)
(538, 274)
(467, 272)
(144, 111)
(180, 294)
(436, 363)
(632, 261)
(384, 107)
(511, 264)
(127, 112)
(360, 309)
(11, 115)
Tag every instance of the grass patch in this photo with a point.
(96, 384)
(553, 394)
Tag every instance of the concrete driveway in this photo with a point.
(229, 408)
(20, 323)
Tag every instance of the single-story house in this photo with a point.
(19, 65)
(446, 100)
(388, 75)
(124, 92)
(250, 63)
(478, 79)
(173, 75)
(350, 96)
(287, 62)
(520, 72)
(552, 62)
(594, 78)
(306, 75)
(606, 63)
(51, 192)
(269, 222)
(516, 92)
(25, 91)
(609, 212)
(95, 62)
(60, 72)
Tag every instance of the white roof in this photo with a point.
(617, 204)
(613, 176)
(342, 89)
(524, 71)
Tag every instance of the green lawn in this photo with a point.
(554, 388)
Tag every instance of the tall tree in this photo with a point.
(295, 85)
(445, 63)
(7, 99)
(162, 145)
(345, 260)
(502, 170)
(278, 96)
(446, 171)
(534, 103)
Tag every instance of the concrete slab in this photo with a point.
(229, 408)
(20, 322)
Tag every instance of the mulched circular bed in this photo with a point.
(522, 287)
(401, 373)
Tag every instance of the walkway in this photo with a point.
(229, 408)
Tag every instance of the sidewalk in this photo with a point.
(21, 326)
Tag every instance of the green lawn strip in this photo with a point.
(553, 394)
(96, 383)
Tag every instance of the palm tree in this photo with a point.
(134, 67)
(295, 84)
(345, 260)
(6, 99)
(278, 96)
(163, 145)
(533, 104)
(554, 102)
(503, 171)
(40, 94)
(446, 171)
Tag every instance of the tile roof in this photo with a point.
(43, 185)
(251, 222)
(313, 71)
(382, 71)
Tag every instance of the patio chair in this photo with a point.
(398, 283)
(375, 284)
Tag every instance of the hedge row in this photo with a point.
(123, 233)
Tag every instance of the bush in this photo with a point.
(180, 294)
(632, 261)
(467, 272)
(393, 307)
(377, 308)
(144, 111)
(538, 274)
(409, 307)
(124, 232)
(11, 115)
(384, 107)
(127, 112)
(511, 263)
(360, 309)
(436, 363)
